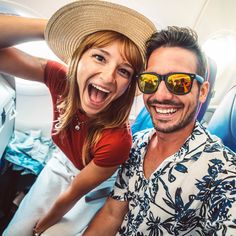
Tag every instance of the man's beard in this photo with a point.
(189, 117)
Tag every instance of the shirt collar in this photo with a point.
(192, 147)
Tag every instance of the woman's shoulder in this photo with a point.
(125, 129)
(55, 69)
(55, 76)
(113, 147)
(117, 136)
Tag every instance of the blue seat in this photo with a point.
(223, 121)
(211, 76)
(144, 121)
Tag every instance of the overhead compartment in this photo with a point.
(7, 112)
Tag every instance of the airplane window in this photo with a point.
(222, 48)
(14, 8)
(36, 48)
(26, 91)
(39, 49)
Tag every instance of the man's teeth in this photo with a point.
(100, 88)
(166, 111)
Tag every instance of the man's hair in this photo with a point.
(175, 36)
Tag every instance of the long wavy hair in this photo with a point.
(117, 112)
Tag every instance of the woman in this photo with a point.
(91, 101)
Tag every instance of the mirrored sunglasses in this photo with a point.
(177, 83)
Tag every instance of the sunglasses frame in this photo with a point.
(199, 78)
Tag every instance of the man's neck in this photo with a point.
(163, 145)
(170, 143)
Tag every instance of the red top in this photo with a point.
(114, 145)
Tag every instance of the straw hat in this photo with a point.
(71, 23)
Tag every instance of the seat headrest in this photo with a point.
(210, 77)
(223, 121)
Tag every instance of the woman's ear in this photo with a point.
(204, 89)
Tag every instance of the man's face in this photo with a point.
(172, 112)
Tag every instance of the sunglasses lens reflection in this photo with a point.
(179, 83)
(148, 83)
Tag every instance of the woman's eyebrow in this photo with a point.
(126, 63)
(103, 51)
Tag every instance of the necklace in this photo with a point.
(79, 123)
(77, 126)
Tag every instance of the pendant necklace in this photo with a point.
(79, 123)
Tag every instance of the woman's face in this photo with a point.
(103, 75)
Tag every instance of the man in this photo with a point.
(179, 180)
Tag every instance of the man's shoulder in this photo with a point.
(219, 153)
(140, 142)
(215, 142)
(212, 142)
(143, 135)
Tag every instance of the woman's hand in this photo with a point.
(39, 227)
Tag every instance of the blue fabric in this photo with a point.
(223, 121)
(143, 121)
(210, 77)
(29, 151)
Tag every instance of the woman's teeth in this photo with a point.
(100, 88)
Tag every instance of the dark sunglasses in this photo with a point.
(177, 83)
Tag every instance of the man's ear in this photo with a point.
(204, 89)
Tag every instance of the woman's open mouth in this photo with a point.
(97, 94)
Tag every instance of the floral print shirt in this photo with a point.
(192, 192)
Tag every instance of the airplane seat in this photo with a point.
(223, 121)
(210, 77)
(143, 119)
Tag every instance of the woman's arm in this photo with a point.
(111, 216)
(90, 177)
(15, 30)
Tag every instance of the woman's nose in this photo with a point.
(108, 75)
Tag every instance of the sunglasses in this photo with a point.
(177, 83)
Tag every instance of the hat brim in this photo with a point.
(70, 24)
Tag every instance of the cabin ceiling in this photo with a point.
(205, 16)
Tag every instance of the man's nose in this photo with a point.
(162, 92)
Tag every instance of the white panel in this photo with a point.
(162, 12)
(7, 108)
(42, 8)
(34, 107)
(219, 15)
(167, 12)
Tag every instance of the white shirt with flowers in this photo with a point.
(193, 192)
